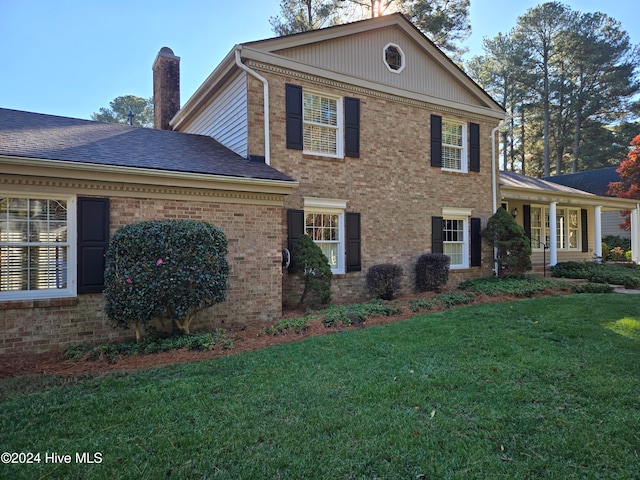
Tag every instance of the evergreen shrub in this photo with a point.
(164, 269)
(385, 280)
(432, 272)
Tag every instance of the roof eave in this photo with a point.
(96, 172)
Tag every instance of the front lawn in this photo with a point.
(538, 388)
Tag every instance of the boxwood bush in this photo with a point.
(164, 269)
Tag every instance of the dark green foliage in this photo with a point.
(452, 299)
(110, 351)
(432, 272)
(298, 325)
(312, 266)
(616, 274)
(591, 288)
(518, 287)
(513, 246)
(164, 269)
(385, 280)
(358, 313)
(571, 269)
(614, 241)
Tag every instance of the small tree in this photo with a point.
(513, 246)
(164, 269)
(312, 266)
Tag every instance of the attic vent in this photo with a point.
(393, 58)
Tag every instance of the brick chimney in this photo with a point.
(166, 88)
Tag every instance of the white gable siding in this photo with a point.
(225, 117)
(361, 56)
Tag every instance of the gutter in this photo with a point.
(265, 84)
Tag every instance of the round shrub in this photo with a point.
(164, 269)
(432, 272)
(385, 280)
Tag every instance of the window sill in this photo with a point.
(39, 303)
(309, 156)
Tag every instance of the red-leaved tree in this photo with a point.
(629, 184)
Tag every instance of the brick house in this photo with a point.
(389, 140)
(66, 184)
(364, 136)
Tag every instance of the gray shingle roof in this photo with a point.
(592, 181)
(516, 180)
(49, 137)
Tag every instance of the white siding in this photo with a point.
(225, 117)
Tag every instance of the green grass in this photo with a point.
(538, 388)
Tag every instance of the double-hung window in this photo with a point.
(324, 223)
(322, 121)
(454, 142)
(37, 247)
(455, 145)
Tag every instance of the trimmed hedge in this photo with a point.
(432, 272)
(385, 280)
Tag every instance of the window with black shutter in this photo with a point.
(93, 241)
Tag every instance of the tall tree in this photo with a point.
(119, 108)
(445, 22)
(538, 30)
(575, 86)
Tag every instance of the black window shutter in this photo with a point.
(294, 116)
(93, 241)
(474, 147)
(295, 230)
(585, 230)
(352, 127)
(526, 218)
(436, 235)
(436, 141)
(476, 243)
(354, 262)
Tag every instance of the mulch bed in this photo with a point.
(245, 338)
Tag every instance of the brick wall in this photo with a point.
(391, 185)
(254, 293)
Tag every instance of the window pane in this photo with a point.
(451, 158)
(452, 134)
(454, 252)
(331, 252)
(319, 109)
(30, 231)
(320, 139)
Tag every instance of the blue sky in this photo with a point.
(71, 57)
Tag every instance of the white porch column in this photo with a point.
(553, 234)
(635, 237)
(597, 228)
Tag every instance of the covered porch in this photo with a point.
(572, 217)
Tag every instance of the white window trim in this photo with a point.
(71, 290)
(339, 125)
(454, 213)
(464, 158)
(545, 215)
(402, 56)
(330, 206)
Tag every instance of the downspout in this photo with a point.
(494, 188)
(265, 84)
